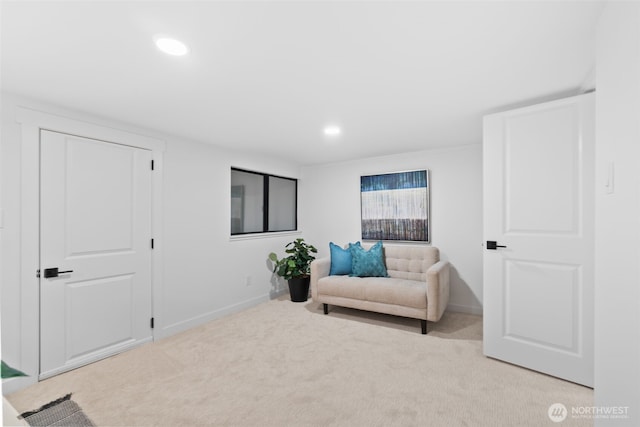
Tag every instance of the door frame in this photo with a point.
(31, 122)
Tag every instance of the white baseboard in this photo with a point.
(468, 309)
(181, 326)
(277, 294)
(93, 357)
(11, 385)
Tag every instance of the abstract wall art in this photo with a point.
(395, 206)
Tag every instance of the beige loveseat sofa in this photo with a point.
(418, 286)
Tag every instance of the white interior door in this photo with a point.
(95, 223)
(539, 203)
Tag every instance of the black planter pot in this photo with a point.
(299, 288)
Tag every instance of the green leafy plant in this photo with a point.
(9, 372)
(298, 263)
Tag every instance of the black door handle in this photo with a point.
(492, 244)
(53, 272)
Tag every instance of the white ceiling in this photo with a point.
(267, 76)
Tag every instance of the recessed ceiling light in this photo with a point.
(332, 131)
(171, 46)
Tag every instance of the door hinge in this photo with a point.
(152, 165)
(152, 243)
(152, 323)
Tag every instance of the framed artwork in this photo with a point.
(395, 206)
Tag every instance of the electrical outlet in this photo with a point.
(248, 281)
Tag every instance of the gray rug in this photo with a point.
(60, 412)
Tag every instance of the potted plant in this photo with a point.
(295, 268)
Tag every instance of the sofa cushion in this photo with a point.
(342, 286)
(408, 293)
(341, 260)
(368, 263)
(410, 262)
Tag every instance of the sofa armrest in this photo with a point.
(319, 268)
(437, 290)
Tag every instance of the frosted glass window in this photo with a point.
(282, 204)
(247, 201)
(262, 203)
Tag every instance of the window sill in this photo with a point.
(255, 236)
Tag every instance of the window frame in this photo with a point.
(265, 207)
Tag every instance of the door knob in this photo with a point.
(53, 272)
(492, 244)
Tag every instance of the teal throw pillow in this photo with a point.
(368, 263)
(341, 259)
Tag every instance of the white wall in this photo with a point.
(331, 209)
(617, 320)
(10, 238)
(205, 272)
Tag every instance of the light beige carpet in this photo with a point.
(287, 364)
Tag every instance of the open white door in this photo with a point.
(539, 210)
(96, 231)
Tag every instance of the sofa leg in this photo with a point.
(423, 323)
(326, 308)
